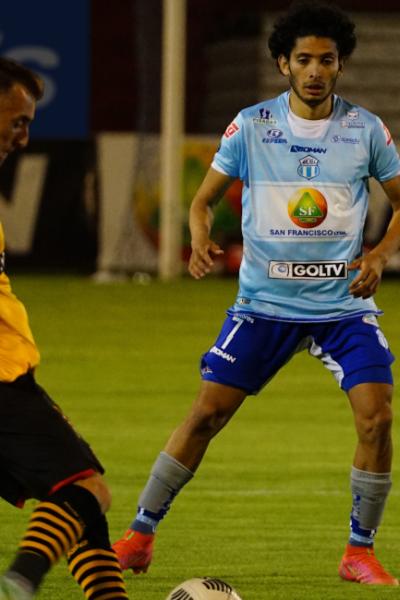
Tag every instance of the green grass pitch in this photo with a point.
(269, 507)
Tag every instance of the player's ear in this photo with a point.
(283, 65)
(341, 65)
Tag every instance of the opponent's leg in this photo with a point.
(370, 482)
(174, 467)
(56, 526)
(94, 564)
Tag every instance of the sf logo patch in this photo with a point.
(307, 208)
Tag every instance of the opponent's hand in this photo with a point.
(202, 258)
(367, 281)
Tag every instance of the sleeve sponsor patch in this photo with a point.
(231, 130)
(387, 134)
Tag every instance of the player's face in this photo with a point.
(312, 69)
(17, 110)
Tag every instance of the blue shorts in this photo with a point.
(250, 350)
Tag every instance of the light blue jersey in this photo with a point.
(304, 205)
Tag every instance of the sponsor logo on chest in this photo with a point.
(274, 136)
(308, 149)
(265, 118)
(327, 269)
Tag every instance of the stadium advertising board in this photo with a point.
(48, 206)
(53, 39)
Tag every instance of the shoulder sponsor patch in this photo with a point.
(231, 130)
(387, 134)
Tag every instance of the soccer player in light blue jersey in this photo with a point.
(304, 158)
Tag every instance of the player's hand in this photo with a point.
(202, 258)
(367, 281)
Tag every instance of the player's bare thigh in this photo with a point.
(212, 409)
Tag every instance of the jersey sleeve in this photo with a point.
(385, 161)
(230, 158)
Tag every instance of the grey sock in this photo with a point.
(372, 490)
(167, 478)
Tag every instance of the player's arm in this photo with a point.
(372, 264)
(204, 250)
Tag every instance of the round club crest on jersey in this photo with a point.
(307, 208)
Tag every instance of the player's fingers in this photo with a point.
(198, 266)
(371, 285)
(365, 287)
(371, 290)
(203, 261)
(203, 254)
(359, 280)
(355, 264)
(195, 271)
(215, 249)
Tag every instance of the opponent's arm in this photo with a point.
(372, 264)
(204, 249)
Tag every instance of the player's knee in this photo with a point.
(207, 419)
(376, 427)
(100, 490)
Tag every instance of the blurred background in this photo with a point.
(85, 196)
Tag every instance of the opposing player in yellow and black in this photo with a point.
(41, 455)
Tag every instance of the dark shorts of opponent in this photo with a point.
(40, 451)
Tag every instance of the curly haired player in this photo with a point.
(304, 159)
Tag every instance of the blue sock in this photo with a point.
(145, 521)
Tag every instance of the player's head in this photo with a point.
(12, 73)
(20, 89)
(310, 44)
(312, 18)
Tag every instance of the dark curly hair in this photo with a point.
(311, 17)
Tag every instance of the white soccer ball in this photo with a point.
(203, 588)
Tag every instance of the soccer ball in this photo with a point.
(203, 588)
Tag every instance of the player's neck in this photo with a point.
(304, 111)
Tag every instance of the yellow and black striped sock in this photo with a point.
(56, 525)
(97, 571)
(52, 531)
